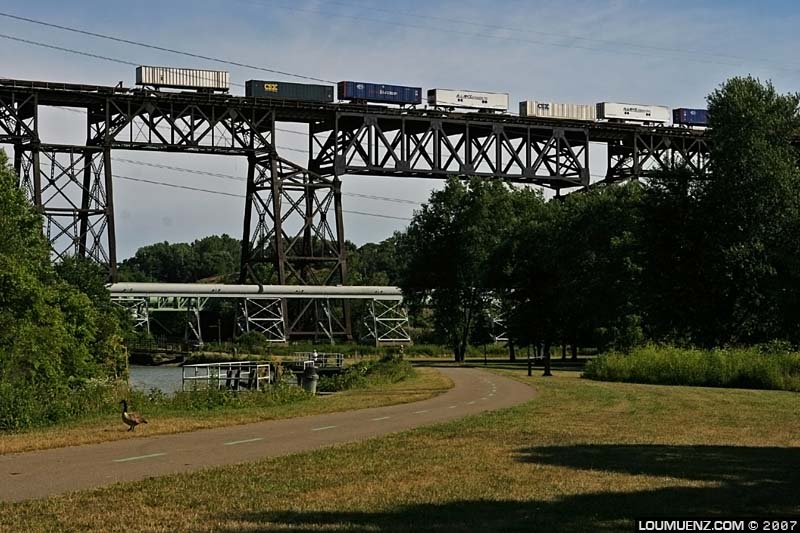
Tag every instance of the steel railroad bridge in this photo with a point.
(293, 214)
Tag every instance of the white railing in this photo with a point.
(237, 375)
(320, 359)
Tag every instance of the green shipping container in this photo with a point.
(288, 91)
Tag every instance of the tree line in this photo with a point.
(704, 260)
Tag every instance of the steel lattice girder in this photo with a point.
(642, 155)
(265, 316)
(70, 185)
(18, 118)
(150, 124)
(389, 322)
(359, 143)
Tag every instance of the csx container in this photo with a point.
(690, 117)
(451, 98)
(183, 78)
(375, 92)
(534, 108)
(632, 112)
(289, 91)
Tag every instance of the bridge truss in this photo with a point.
(293, 230)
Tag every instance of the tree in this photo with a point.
(751, 213)
(575, 269)
(448, 252)
(49, 330)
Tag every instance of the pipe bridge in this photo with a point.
(263, 307)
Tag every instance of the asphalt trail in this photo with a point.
(44, 473)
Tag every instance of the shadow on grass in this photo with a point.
(744, 482)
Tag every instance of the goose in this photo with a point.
(132, 419)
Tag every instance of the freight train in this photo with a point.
(440, 99)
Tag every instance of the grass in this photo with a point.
(749, 368)
(582, 456)
(172, 418)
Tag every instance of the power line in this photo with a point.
(79, 52)
(240, 179)
(70, 50)
(222, 193)
(552, 34)
(163, 49)
(495, 37)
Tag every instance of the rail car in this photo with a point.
(645, 114)
(460, 99)
(288, 91)
(534, 108)
(683, 116)
(183, 78)
(362, 92)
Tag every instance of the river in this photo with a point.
(164, 378)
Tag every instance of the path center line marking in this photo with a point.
(420, 412)
(452, 407)
(381, 418)
(136, 458)
(471, 403)
(322, 428)
(234, 442)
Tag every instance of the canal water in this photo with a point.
(164, 378)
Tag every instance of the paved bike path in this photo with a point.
(44, 473)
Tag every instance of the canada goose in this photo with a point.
(132, 419)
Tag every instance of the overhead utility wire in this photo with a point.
(553, 34)
(78, 52)
(237, 178)
(499, 37)
(70, 50)
(162, 48)
(222, 193)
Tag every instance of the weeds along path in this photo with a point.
(44, 473)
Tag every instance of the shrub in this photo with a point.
(751, 368)
(389, 369)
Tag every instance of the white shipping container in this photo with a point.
(468, 99)
(534, 108)
(183, 78)
(633, 112)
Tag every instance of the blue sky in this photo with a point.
(668, 53)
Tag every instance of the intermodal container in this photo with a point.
(183, 78)
(376, 92)
(690, 117)
(288, 91)
(534, 108)
(468, 99)
(633, 112)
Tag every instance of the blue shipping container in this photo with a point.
(374, 92)
(690, 117)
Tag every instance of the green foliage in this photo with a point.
(576, 270)
(27, 406)
(54, 337)
(388, 369)
(448, 249)
(750, 368)
(215, 257)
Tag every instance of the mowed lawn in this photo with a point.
(582, 456)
